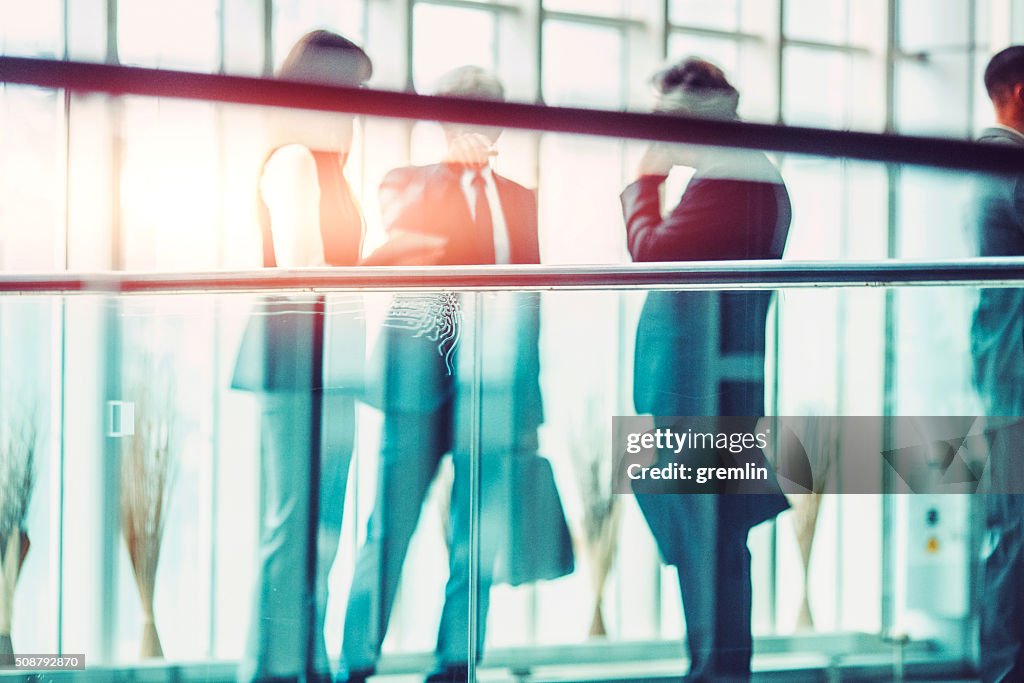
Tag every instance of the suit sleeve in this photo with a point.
(699, 228)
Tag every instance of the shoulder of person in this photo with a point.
(399, 183)
(398, 178)
(752, 166)
(1001, 136)
(425, 170)
(510, 184)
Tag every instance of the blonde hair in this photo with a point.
(473, 82)
(697, 87)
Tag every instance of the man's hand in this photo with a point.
(657, 160)
(470, 149)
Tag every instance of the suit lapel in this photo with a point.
(520, 211)
(512, 210)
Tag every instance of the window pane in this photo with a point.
(717, 14)
(434, 50)
(170, 187)
(31, 179)
(293, 19)
(933, 23)
(582, 65)
(580, 213)
(826, 107)
(31, 29)
(815, 20)
(933, 96)
(605, 7)
(179, 35)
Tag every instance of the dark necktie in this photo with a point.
(483, 220)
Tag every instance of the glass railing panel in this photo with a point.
(446, 419)
(477, 425)
(31, 469)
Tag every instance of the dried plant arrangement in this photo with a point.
(17, 478)
(601, 510)
(809, 468)
(147, 474)
(821, 441)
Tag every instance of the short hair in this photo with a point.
(1004, 70)
(697, 86)
(304, 61)
(472, 82)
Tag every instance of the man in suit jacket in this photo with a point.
(996, 346)
(477, 217)
(735, 207)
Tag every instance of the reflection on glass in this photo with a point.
(817, 570)
(29, 475)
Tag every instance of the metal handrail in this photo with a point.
(124, 80)
(677, 275)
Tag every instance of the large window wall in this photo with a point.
(89, 183)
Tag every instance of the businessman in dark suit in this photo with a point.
(735, 207)
(996, 345)
(476, 217)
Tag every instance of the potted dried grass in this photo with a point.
(17, 456)
(806, 471)
(146, 482)
(601, 510)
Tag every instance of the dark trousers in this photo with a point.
(1002, 605)
(709, 551)
(412, 448)
(704, 535)
(279, 624)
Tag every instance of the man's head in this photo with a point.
(475, 83)
(697, 88)
(1004, 80)
(326, 58)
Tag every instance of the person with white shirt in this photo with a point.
(425, 392)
